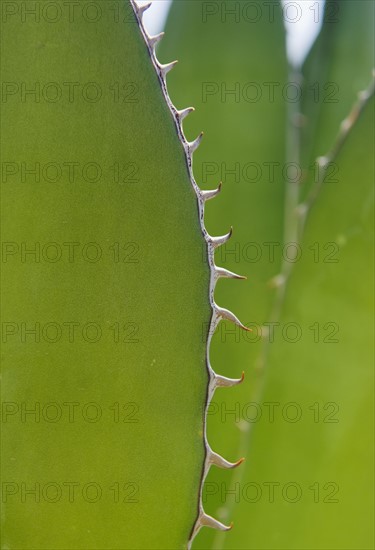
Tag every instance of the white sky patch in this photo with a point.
(156, 16)
(303, 19)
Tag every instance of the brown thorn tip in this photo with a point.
(242, 376)
(223, 382)
(183, 113)
(209, 521)
(222, 272)
(217, 460)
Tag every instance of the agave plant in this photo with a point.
(292, 146)
(113, 340)
(106, 373)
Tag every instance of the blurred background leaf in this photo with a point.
(338, 66)
(325, 373)
(223, 65)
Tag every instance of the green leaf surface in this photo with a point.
(233, 71)
(337, 68)
(95, 181)
(320, 439)
(306, 423)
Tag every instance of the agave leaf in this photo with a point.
(282, 451)
(226, 63)
(330, 89)
(324, 379)
(117, 290)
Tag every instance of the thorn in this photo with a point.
(278, 281)
(224, 382)
(218, 241)
(220, 462)
(193, 145)
(142, 9)
(208, 521)
(164, 69)
(222, 272)
(185, 112)
(301, 210)
(322, 161)
(207, 195)
(153, 40)
(229, 316)
(346, 124)
(362, 96)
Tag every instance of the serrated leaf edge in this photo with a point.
(218, 313)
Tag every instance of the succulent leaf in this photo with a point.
(98, 182)
(318, 375)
